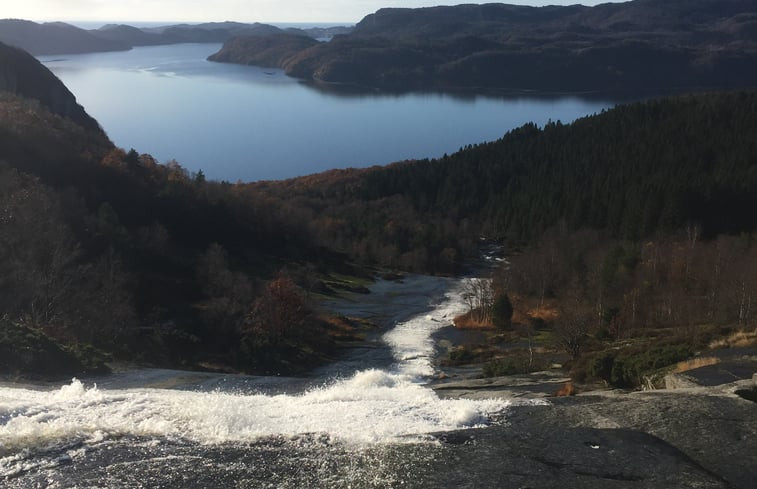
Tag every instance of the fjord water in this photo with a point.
(370, 429)
(248, 123)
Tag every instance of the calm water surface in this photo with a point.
(249, 123)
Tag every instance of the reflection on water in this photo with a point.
(248, 123)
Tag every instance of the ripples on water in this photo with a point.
(373, 429)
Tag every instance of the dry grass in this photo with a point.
(525, 309)
(519, 309)
(546, 313)
(695, 363)
(567, 390)
(738, 339)
(345, 328)
(468, 321)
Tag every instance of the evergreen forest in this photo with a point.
(106, 253)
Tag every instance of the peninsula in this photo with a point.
(632, 46)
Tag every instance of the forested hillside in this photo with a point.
(22, 74)
(54, 38)
(106, 248)
(630, 234)
(633, 171)
(623, 46)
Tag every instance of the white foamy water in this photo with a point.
(411, 341)
(373, 406)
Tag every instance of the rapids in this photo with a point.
(44, 433)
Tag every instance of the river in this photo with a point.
(248, 123)
(377, 426)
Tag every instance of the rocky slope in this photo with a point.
(23, 75)
(701, 438)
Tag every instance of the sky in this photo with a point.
(346, 11)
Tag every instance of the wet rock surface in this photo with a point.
(687, 438)
(530, 386)
(700, 437)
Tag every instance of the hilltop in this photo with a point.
(60, 38)
(54, 38)
(23, 75)
(637, 45)
(268, 51)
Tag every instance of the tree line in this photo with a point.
(672, 294)
(108, 248)
(111, 247)
(633, 171)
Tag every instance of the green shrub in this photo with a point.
(600, 367)
(619, 374)
(602, 334)
(461, 356)
(502, 311)
(510, 365)
(626, 368)
(537, 323)
(30, 353)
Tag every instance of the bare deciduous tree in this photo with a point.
(572, 327)
(478, 294)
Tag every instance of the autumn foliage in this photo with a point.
(280, 313)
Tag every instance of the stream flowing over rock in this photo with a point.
(362, 425)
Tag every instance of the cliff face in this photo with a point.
(637, 45)
(22, 74)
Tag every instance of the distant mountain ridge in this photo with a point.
(59, 38)
(54, 38)
(641, 44)
(503, 20)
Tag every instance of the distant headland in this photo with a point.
(638, 45)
